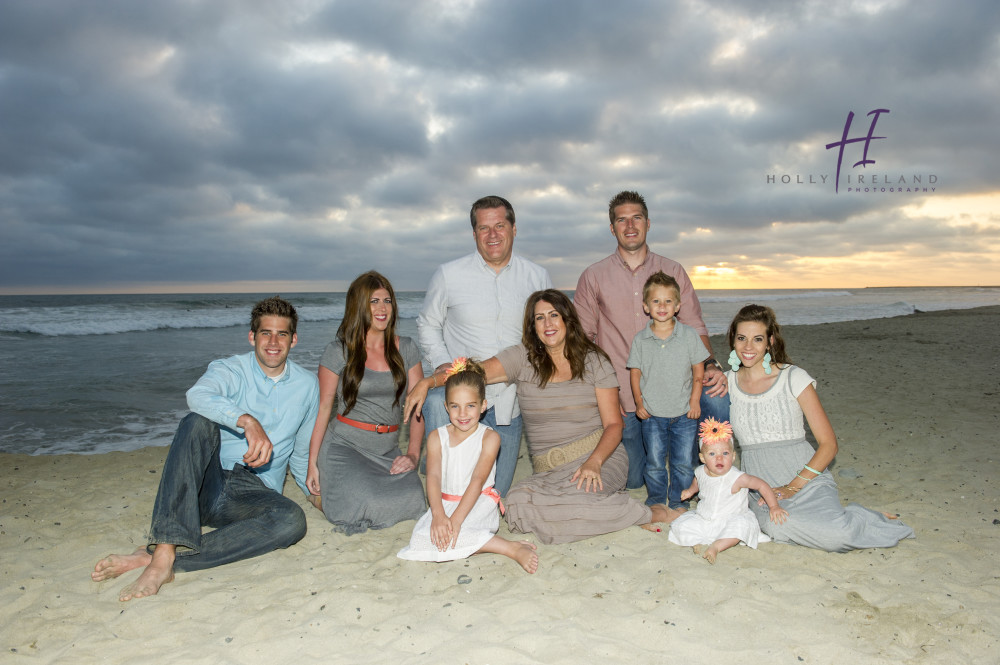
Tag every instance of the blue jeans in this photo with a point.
(436, 414)
(668, 440)
(249, 517)
(636, 449)
(632, 438)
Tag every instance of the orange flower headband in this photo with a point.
(712, 431)
(457, 365)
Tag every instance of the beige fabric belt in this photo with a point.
(560, 455)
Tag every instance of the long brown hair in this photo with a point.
(765, 315)
(352, 335)
(578, 345)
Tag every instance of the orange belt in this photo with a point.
(488, 491)
(371, 427)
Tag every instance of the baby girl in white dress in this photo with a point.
(722, 518)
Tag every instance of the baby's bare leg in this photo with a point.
(709, 553)
(522, 551)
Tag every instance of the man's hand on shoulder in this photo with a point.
(715, 381)
(259, 446)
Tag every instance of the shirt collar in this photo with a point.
(647, 332)
(621, 260)
(486, 266)
(259, 372)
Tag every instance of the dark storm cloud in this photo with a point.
(223, 141)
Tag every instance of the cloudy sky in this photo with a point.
(223, 145)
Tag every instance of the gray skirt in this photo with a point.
(816, 517)
(357, 489)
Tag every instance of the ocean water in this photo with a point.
(96, 373)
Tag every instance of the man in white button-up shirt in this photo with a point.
(474, 307)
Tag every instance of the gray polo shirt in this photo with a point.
(666, 368)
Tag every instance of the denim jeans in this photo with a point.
(668, 441)
(632, 437)
(636, 449)
(436, 414)
(249, 517)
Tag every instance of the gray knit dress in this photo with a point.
(769, 428)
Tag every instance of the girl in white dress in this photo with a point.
(722, 518)
(463, 516)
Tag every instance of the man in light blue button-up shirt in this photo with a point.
(252, 416)
(474, 308)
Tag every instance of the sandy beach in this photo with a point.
(914, 404)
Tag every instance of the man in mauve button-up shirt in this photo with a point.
(609, 300)
(474, 308)
(251, 419)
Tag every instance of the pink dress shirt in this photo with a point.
(609, 300)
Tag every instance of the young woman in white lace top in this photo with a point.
(770, 397)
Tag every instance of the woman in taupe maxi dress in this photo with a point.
(568, 396)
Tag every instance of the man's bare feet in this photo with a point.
(662, 515)
(114, 565)
(706, 552)
(159, 570)
(148, 584)
(525, 555)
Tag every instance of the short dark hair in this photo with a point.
(660, 278)
(623, 197)
(274, 306)
(488, 202)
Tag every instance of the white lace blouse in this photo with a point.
(773, 415)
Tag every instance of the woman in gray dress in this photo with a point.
(568, 395)
(769, 398)
(357, 475)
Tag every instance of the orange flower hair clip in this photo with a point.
(457, 365)
(712, 431)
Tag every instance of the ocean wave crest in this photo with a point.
(113, 320)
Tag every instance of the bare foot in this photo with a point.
(522, 551)
(148, 584)
(114, 565)
(706, 552)
(662, 515)
(159, 571)
(526, 556)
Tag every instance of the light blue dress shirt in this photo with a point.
(286, 408)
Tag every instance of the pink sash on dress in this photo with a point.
(487, 491)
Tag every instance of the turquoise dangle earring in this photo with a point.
(767, 363)
(734, 360)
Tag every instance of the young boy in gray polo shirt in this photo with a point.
(665, 369)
